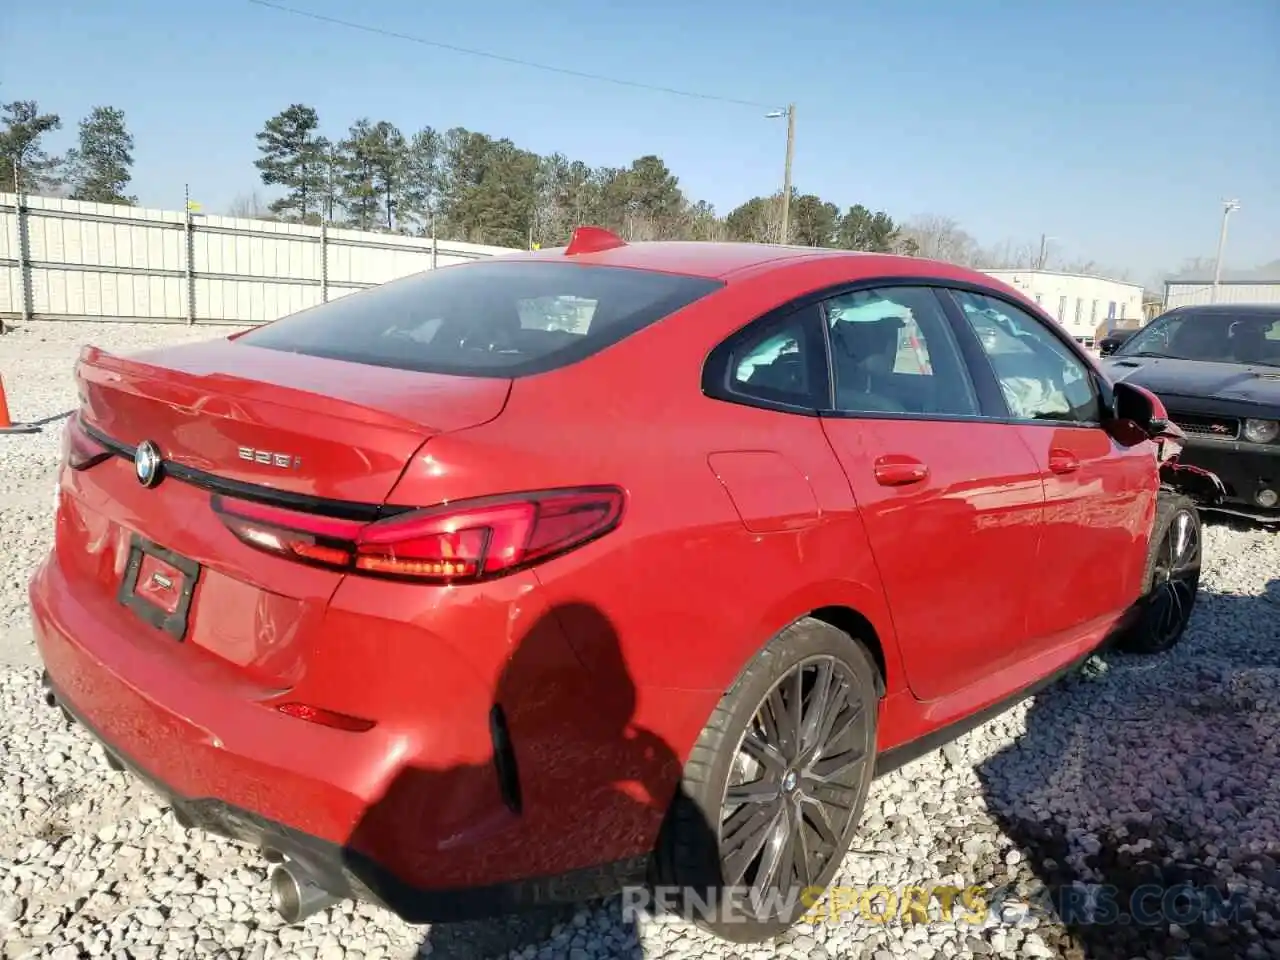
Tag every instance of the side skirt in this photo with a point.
(901, 755)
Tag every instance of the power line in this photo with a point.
(564, 71)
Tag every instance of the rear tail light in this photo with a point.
(79, 450)
(463, 542)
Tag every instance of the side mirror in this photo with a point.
(1137, 414)
(1107, 347)
(1132, 402)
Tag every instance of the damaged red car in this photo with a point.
(529, 579)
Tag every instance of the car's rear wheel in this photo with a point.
(774, 788)
(1172, 578)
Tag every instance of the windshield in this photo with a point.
(489, 319)
(1213, 337)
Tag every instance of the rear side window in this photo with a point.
(487, 319)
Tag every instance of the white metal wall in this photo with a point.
(1083, 304)
(1183, 293)
(92, 260)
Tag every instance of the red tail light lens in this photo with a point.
(79, 450)
(465, 541)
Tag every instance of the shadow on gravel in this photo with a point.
(1143, 797)
(589, 786)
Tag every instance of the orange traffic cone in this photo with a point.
(6, 424)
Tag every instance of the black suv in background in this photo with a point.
(1217, 370)
(1112, 341)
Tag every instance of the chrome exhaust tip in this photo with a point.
(295, 897)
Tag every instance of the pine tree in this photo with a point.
(293, 157)
(21, 149)
(99, 169)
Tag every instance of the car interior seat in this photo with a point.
(1249, 343)
(1198, 340)
(785, 374)
(864, 354)
(495, 326)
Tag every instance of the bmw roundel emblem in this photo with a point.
(147, 463)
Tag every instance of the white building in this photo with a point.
(1086, 306)
(1186, 293)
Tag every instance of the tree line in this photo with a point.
(466, 185)
(460, 184)
(98, 169)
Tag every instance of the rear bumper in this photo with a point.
(345, 872)
(359, 812)
(1244, 469)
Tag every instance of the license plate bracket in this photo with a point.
(164, 599)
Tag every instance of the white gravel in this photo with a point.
(1143, 771)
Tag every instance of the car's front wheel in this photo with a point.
(1171, 580)
(774, 788)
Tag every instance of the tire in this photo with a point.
(820, 793)
(1171, 579)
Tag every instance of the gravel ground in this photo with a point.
(1135, 773)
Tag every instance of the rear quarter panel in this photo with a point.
(688, 593)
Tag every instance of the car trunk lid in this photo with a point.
(311, 426)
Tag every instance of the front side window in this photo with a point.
(496, 318)
(892, 352)
(1039, 376)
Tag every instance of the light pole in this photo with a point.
(1227, 207)
(790, 114)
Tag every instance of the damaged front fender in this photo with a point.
(1197, 483)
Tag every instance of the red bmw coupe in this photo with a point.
(526, 580)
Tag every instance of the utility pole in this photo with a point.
(786, 174)
(1042, 261)
(790, 114)
(1227, 207)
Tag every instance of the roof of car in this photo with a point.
(718, 260)
(1262, 310)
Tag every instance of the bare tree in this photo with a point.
(1009, 256)
(940, 238)
(249, 206)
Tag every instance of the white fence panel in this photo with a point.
(10, 292)
(99, 261)
(1186, 293)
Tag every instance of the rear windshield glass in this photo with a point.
(491, 318)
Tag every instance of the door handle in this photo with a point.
(897, 470)
(1063, 461)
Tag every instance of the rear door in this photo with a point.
(952, 502)
(1099, 495)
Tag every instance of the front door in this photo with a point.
(952, 503)
(1099, 495)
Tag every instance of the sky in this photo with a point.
(1116, 128)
